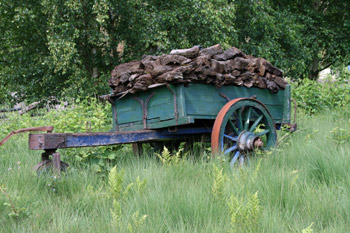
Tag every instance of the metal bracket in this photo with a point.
(175, 103)
(228, 99)
(144, 105)
(293, 127)
(88, 127)
(224, 96)
(172, 129)
(114, 109)
(113, 102)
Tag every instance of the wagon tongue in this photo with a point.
(248, 141)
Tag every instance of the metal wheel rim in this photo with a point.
(244, 122)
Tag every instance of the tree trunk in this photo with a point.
(313, 75)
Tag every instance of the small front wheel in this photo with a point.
(242, 125)
(47, 166)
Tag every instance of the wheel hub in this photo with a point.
(247, 141)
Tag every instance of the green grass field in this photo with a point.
(303, 182)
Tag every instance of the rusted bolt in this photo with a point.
(258, 143)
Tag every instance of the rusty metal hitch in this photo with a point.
(48, 129)
(56, 162)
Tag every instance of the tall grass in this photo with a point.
(304, 180)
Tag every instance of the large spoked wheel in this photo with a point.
(242, 125)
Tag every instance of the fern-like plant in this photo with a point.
(219, 184)
(137, 222)
(118, 193)
(253, 211)
(115, 182)
(169, 159)
(308, 229)
(234, 208)
(244, 214)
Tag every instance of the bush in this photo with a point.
(77, 117)
(314, 97)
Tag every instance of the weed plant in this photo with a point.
(300, 185)
(315, 97)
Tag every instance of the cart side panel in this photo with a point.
(179, 104)
(130, 111)
(205, 101)
(287, 105)
(160, 109)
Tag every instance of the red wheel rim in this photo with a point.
(221, 121)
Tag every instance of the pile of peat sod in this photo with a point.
(195, 65)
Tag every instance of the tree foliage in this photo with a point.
(325, 32)
(23, 53)
(68, 47)
(270, 33)
(301, 37)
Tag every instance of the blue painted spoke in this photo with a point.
(230, 149)
(246, 123)
(263, 133)
(235, 157)
(233, 126)
(229, 137)
(241, 160)
(251, 129)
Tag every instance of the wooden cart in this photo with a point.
(237, 119)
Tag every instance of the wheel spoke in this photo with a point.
(240, 123)
(233, 126)
(257, 121)
(241, 160)
(235, 157)
(231, 138)
(263, 133)
(230, 149)
(246, 123)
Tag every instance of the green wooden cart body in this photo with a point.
(192, 102)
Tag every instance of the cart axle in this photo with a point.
(248, 141)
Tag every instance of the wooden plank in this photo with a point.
(210, 103)
(194, 101)
(181, 101)
(73, 140)
(129, 110)
(207, 92)
(157, 124)
(204, 108)
(159, 106)
(287, 105)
